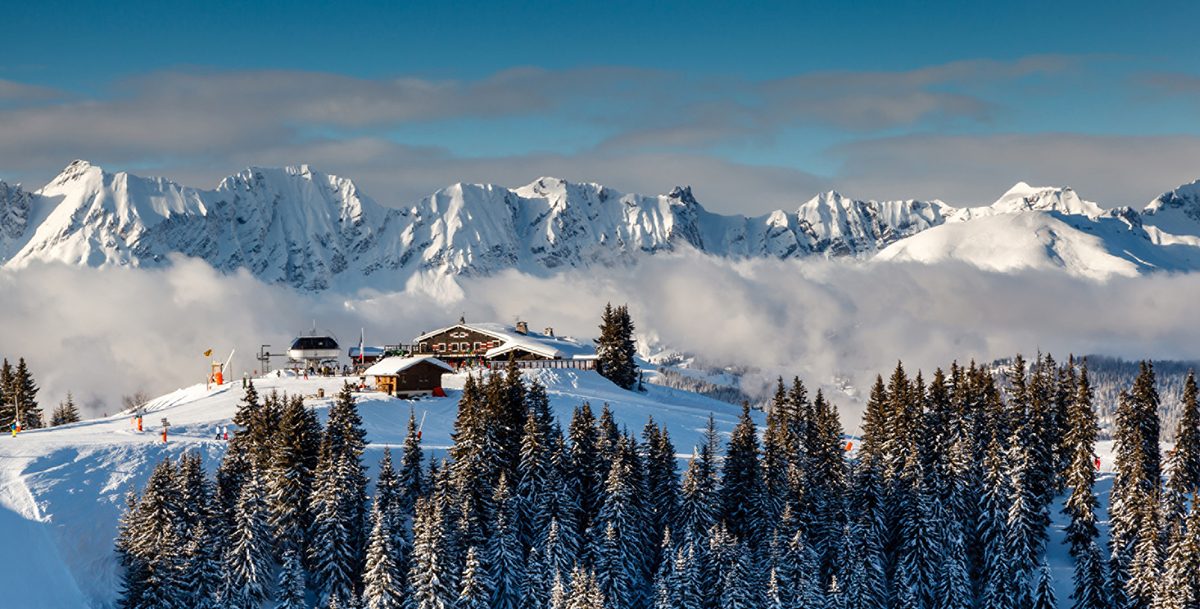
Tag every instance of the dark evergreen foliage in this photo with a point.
(66, 412)
(615, 349)
(945, 505)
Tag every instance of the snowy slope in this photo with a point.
(1052, 229)
(62, 489)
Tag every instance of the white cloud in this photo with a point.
(102, 333)
(973, 170)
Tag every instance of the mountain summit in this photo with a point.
(314, 231)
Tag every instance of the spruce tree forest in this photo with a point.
(944, 503)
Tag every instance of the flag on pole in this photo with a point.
(208, 353)
(361, 344)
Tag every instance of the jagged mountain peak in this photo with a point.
(301, 227)
(1176, 211)
(1023, 197)
(76, 171)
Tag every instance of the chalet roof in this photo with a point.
(553, 347)
(391, 366)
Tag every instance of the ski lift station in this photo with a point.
(315, 350)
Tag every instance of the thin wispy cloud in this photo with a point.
(928, 132)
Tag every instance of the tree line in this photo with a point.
(945, 505)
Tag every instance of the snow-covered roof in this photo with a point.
(391, 366)
(553, 347)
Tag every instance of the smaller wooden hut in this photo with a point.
(409, 376)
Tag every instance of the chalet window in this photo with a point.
(439, 347)
(479, 346)
(424, 347)
(466, 347)
(454, 347)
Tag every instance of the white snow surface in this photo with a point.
(314, 231)
(62, 489)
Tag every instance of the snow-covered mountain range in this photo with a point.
(314, 231)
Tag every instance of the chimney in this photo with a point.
(549, 332)
(522, 327)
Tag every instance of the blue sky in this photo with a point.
(758, 105)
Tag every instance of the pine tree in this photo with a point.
(202, 573)
(996, 572)
(1135, 495)
(412, 480)
(533, 477)
(558, 594)
(615, 349)
(920, 551)
(699, 505)
(152, 544)
(1144, 570)
(65, 413)
(1179, 587)
(248, 562)
(249, 436)
(585, 592)
(621, 534)
(585, 465)
(1184, 479)
(741, 484)
(505, 560)
(430, 574)
(560, 505)
(290, 478)
(507, 410)
(333, 554)
(476, 461)
(1043, 598)
(133, 565)
(23, 392)
(338, 502)
(954, 583)
(195, 493)
(476, 585)
(739, 590)
(291, 582)
(779, 448)
(238, 461)
(1089, 588)
(382, 579)
(388, 498)
(1081, 474)
(662, 482)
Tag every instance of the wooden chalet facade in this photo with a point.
(465, 342)
(409, 376)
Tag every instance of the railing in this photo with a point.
(576, 364)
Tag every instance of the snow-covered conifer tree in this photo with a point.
(382, 579)
(505, 560)
(476, 589)
(248, 561)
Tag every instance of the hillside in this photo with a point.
(62, 489)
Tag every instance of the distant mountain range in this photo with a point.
(315, 231)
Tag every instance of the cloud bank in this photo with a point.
(104, 333)
(962, 131)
